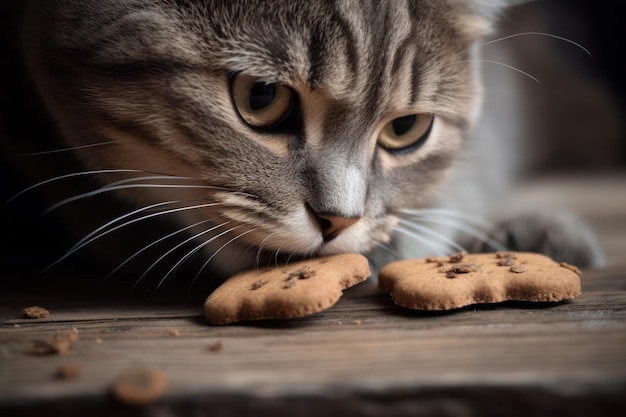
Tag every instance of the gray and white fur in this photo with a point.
(149, 83)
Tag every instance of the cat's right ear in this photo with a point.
(475, 18)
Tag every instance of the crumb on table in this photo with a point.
(35, 312)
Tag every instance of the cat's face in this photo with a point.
(300, 127)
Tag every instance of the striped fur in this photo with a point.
(151, 77)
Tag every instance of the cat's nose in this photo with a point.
(332, 225)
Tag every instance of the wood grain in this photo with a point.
(363, 357)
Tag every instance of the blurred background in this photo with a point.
(571, 118)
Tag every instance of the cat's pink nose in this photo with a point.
(333, 225)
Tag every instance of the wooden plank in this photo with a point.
(364, 345)
(363, 357)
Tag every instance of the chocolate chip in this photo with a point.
(258, 284)
(506, 262)
(518, 269)
(302, 273)
(464, 268)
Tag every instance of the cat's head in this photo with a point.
(300, 126)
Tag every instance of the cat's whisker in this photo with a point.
(276, 256)
(437, 247)
(489, 61)
(72, 175)
(512, 68)
(168, 252)
(217, 251)
(550, 35)
(465, 228)
(133, 186)
(154, 243)
(480, 221)
(451, 243)
(68, 149)
(151, 178)
(188, 255)
(390, 249)
(95, 235)
(260, 249)
(291, 255)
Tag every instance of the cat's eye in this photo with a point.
(260, 104)
(405, 132)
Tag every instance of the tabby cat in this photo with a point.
(262, 131)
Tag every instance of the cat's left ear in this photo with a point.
(475, 18)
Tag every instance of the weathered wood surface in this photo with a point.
(363, 357)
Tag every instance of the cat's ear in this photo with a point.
(475, 18)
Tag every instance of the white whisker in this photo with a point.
(217, 251)
(550, 35)
(260, 250)
(389, 249)
(511, 67)
(191, 253)
(150, 178)
(434, 234)
(156, 242)
(73, 148)
(276, 256)
(468, 229)
(74, 174)
(289, 258)
(155, 263)
(129, 186)
(450, 213)
(498, 63)
(95, 236)
(443, 249)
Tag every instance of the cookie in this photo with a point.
(459, 281)
(296, 290)
(35, 312)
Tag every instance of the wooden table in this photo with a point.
(363, 357)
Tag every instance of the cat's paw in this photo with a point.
(558, 234)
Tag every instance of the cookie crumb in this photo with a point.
(258, 284)
(518, 269)
(571, 268)
(58, 344)
(68, 372)
(139, 386)
(173, 331)
(456, 257)
(216, 346)
(35, 312)
(357, 322)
